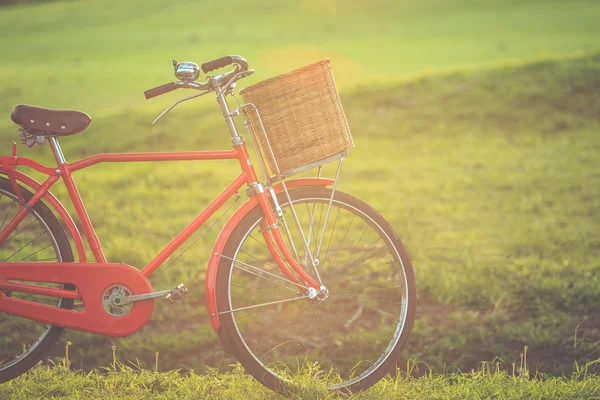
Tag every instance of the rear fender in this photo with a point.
(56, 205)
(215, 257)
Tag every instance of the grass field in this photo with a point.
(497, 204)
(101, 55)
(476, 136)
(131, 383)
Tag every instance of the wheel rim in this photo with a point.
(32, 240)
(349, 334)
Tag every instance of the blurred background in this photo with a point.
(476, 130)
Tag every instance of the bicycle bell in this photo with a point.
(186, 71)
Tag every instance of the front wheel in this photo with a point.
(352, 333)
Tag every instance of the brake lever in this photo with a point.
(177, 102)
(236, 76)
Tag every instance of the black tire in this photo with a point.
(24, 331)
(233, 339)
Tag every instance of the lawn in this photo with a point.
(476, 130)
(129, 382)
(101, 55)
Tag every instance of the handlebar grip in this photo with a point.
(216, 64)
(162, 89)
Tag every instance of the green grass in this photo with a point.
(101, 55)
(130, 382)
(491, 177)
(489, 169)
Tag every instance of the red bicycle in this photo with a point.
(332, 290)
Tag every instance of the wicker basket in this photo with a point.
(302, 116)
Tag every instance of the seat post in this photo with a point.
(56, 150)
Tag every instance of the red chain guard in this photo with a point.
(91, 281)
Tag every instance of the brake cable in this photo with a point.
(177, 102)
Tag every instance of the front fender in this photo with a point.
(58, 208)
(215, 257)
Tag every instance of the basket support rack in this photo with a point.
(279, 176)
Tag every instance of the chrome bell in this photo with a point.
(186, 71)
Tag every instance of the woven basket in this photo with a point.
(302, 116)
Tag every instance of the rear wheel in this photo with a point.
(351, 336)
(39, 237)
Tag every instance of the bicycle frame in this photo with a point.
(64, 170)
(48, 272)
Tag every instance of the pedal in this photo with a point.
(177, 293)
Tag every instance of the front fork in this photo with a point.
(270, 229)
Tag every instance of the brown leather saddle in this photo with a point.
(46, 122)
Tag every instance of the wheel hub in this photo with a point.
(323, 294)
(112, 300)
(320, 294)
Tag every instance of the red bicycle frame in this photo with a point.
(48, 271)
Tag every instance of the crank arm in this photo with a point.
(171, 295)
(139, 297)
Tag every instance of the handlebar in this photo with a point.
(162, 89)
(169, 87)
(241, 66)
(225, 61)
(188, 72)
(216, 64)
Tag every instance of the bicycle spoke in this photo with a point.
(263, 304)
(377, 275)
(254, 297)
(363, 297)
(258, 241)
(284, 328)
(267, 279)
(357, 265)
(246, 316)
(376, 310)
(343, 240)
(271, 266)
(330, 237)
(309, 234)
(251, 288)
(265, 272)
(21, 328)
(8, 345)
(10, 334)
(350, 258)
(10, 238)
(33, 240)
(343, 330)
(365, 327)
(7, 213)
(311, 215)
(316, 316)
(374, 290)
(340, 317)
(318, 228)
(356, 255)
(32, 254)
